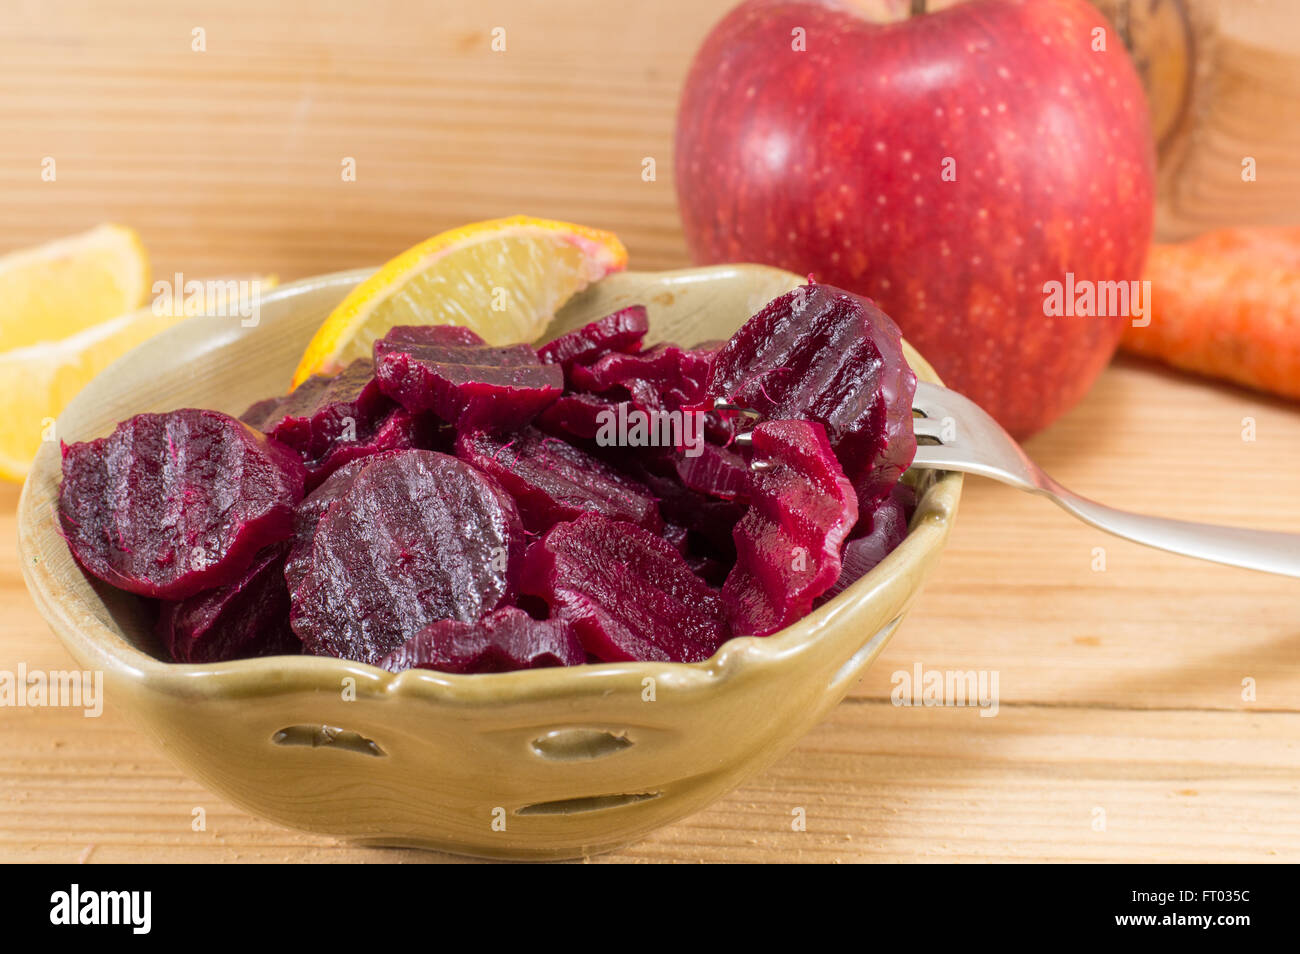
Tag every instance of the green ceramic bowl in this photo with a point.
(545, 763)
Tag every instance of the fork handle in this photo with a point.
(1266, 550)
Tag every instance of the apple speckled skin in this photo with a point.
(830, 160)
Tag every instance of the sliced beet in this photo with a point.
(399, 430)
(802, 508)
(664, 377)
(621, 331)
(172, 504)
(502, 641)
(579, 415)
(887, 528)
(306, 516)
(822, 354)
(627, 592)
(331, 421)
(678, 536)
(416, 537)
(552, 480)
(710, 517)
(314, 415)
(246, 618)
(720, 472)
(711, 569)
(452, 372)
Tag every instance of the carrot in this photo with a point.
(1227, 305)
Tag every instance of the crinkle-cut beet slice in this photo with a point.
(627, 592)
(307, 515)
(313, 416)
(417, 537)
(711, 569)
(822, 354)
(503, 641)
(711, 517)
(678, 536)
(621, 331)
(700, 556)
(888, 526)
(663, 377)
(802, 508)
(451, 371)
(172, 504)
(658, 433)
(246, 618)
(717, 471)
(579, 415)
(400, 430)
(552, 480)
(695, 367)
(333, 420)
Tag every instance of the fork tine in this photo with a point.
(939, 457)
(932, 400)
(720, 405)
(928, 427)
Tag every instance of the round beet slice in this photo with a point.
(330, 421)
(306, 516)
(620, 331)
(505, 640)
(628, 593)
(172, 504)
(322, 410)
(712, 518)
(579, 415)
(417, 537)
(819, 353)
(717, 471)
(788, 543)
(247, 618)
(887, 528)
(552, 480)
(452, 372)
(664, 377)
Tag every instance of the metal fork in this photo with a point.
(968, 440)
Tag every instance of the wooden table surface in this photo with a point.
(1122, 732)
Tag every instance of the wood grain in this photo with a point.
(229, 161)
(1223, 81)
(1121, 689)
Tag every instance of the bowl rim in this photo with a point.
(92, 641)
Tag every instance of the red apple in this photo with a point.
(949, 165)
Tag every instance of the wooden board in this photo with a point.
(1121, 689)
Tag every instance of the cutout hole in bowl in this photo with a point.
(592, 803)
(322, 736)
(570, 745)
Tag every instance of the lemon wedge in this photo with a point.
(38, 380)
(503, 278)
(58, 289)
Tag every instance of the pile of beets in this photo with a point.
(462, 507)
